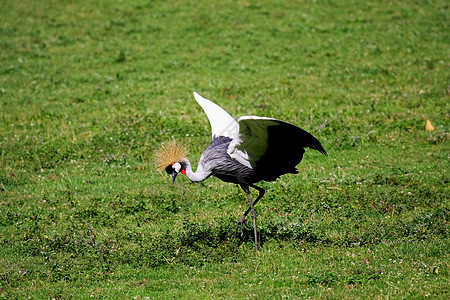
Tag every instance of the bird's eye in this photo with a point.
(169, 169)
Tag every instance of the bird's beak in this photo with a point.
(174, 175)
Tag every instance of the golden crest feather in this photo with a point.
(168, 153)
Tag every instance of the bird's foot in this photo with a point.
(239, 224)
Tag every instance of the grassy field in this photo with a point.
(89, 89)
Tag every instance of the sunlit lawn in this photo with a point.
(89, 90)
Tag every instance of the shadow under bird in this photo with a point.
(243, 152)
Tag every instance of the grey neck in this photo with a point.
(197, 176)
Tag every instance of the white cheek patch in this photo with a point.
(177, 167)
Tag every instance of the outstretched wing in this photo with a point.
(222, 124)
(271, 147)
(252, 141)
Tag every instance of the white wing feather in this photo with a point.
(252, 141)
(222, 124)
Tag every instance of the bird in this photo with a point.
(243, 152)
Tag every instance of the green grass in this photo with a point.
(88, 91)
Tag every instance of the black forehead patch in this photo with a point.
(169, 169)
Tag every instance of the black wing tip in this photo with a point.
(305, 138)
(316, 145)
(310, 140)
(319, 148)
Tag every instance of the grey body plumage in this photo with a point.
(222, 166)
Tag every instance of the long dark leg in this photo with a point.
(241, 220)
(251, 208)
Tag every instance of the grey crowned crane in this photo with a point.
(243, 152)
